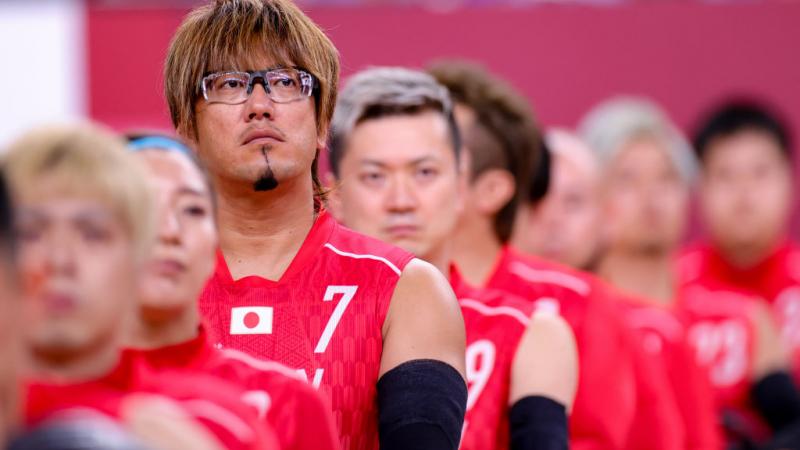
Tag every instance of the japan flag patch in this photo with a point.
(251, 320)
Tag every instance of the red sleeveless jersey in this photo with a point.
(213, 403)
(275, 391)
(324, 318)
(495, 322)
(663, 335)
(722, 333)
(776, 279)
(603, 381)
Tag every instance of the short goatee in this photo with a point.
(267, 180)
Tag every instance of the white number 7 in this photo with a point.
(348, 292)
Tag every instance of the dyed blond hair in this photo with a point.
(233, 35)
(85, 160)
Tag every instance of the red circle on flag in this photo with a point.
(251, 320)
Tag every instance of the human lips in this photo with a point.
(168, 267)
(262, 136)
(58, 302)
(402, 231)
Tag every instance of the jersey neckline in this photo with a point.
(318, 235)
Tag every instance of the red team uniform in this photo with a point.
(776, 279)
(266, 383)
(723, 335)
(612, 381)
(324, 318)
(212, 402)
(495, 322)
(663, 334)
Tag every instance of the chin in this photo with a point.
(59, 342)
(161, 310)
(408, 245)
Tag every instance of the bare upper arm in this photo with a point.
(546, 361)
(770, 354)
(424, 320)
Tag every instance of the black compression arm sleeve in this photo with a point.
(538, 423)
(777, 399)
(421, 406)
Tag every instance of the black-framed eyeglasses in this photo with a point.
(283, 85)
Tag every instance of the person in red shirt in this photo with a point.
(375, 328)
(745, 203)
(496, 185)
(84, 226)
(566, 226)
(10, 329)
(168, 328)
(397, 168)
(647, 169)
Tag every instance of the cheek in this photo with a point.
(302, 123)
(108, 272)
(362, 205)
(201, 240)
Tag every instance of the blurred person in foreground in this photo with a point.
(502, 141)
(10, 328)
(646, 173)
(77, 432)
(746, 196)
(398, 171)
(567, 226)
(84, 222)
(168, 330)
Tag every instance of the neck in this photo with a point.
(165, 331)
(475, 250)
(747, 256)
(261, 232)
(441, 257)
(79, 366)
(649, 275)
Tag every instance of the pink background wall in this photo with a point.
(686, 55)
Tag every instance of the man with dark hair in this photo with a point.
(251, 86)
(746, 184)
(502, 139)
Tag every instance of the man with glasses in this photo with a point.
(251, 86)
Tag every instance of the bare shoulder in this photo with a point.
(546, 361)
(424, 320)
(771, 354)
(420, 277)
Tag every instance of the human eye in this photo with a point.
(372, 178)
(195, 210)
(284, 82)
(230, 82)
(94, 233)
(426, 173)
(28, 231)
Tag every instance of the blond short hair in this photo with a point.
(229, 35)
(617, 121)
(85, 159)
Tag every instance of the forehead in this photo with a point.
(401, 138)
(749, 144)
(573, 172)
(172, 167)
(66, 207)
(254, 55)
(644, 152)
